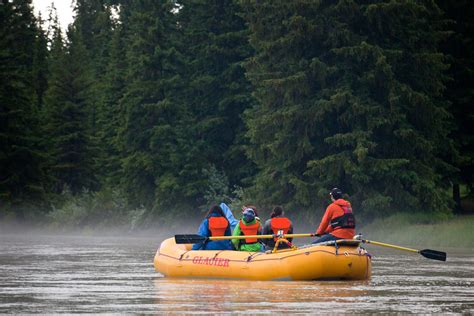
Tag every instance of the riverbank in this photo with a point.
(401, 229)
(456, 232)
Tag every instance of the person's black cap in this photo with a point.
(336, 193)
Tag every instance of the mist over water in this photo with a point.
(76, 274)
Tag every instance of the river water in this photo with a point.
(67, 274)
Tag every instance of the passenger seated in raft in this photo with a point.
(338, 221)
(214, 224)
(278, 223)
(248, 225)
(230, 216)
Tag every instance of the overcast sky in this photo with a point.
(64, 8)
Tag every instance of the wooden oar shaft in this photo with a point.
(389, 246)
(260, 236)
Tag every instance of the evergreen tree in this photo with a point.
(214, 42)
(351, 96)
(93, 21)
(110, 118)
(460, 49)
(21, 173)
(151, 134)
(40, 64)
(67, 115)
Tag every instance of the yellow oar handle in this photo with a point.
(261, 236)
(389, 246)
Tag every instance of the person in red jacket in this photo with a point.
(338, 221)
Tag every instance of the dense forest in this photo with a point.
(152, 110)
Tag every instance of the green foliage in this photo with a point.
(459, 49)
(110, 118)
(151, 133)
(104, 208)
(22, 178)
(67, 116)
(93, 24)
(213, 41)
(179, 105)
(219, 190)
(340, 104)
(40, 65)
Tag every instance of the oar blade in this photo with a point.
(189, 239)
(433, 254)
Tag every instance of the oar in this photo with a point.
(195, 239)
(427, 253)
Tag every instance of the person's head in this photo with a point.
(253, 207)
(277, 211)
(248, 215)
(335, 194)
(215, 209)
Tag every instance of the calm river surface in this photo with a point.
(59, 274)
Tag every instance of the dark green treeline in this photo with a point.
(155, 109)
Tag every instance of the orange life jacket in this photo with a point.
(249, 230)
(280, 224)
(218, 225)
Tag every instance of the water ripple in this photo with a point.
(47, 275)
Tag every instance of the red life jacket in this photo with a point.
(347, 220)
(218, 225)
(280, 224)
(249, 230)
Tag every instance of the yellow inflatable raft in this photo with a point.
(341, 260)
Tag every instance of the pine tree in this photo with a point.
(67, 115)
(214, 42)
(350, 95)
(110, 117)
(460, 49)
(40, 64)
(21, 162)
(93, 21)
(150, 136)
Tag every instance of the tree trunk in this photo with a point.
(457, 198)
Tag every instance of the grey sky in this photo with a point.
(64, 8)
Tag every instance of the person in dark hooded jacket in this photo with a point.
(338, 221)
(277, 223)
(214, 224)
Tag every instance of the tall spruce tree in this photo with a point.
(40, 64)
(93, 21)
(110, 117)
(21, 160)
(67, 115)
(350, 95)
(151, 134)
(214, 43)
(460, 92)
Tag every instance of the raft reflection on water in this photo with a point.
(189, 295)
